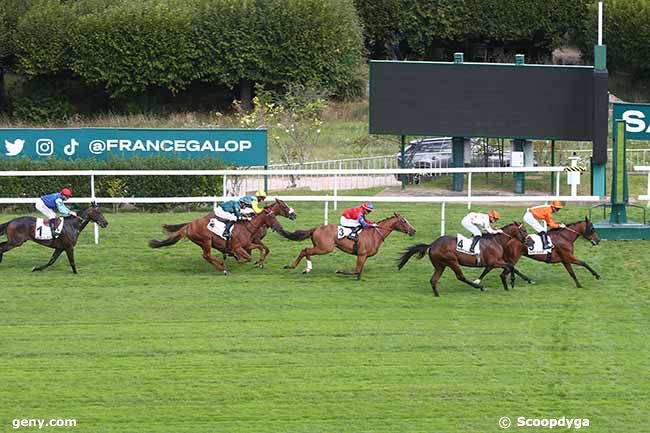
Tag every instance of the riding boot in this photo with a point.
(545, 243)
(55, 234)
(226, 231)
(474, 243)
(355, 233)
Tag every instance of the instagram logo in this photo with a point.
(44, 147)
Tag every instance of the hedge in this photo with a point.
(114, 186)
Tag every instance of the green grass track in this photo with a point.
(145, 340)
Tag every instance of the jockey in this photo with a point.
(474, 222)
(255, 208)
(231, 211)
(47, 203)
(545, 213)
(355, 218)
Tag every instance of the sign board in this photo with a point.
(243, 147)
(517, 159)
(637, 120)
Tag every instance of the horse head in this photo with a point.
(589, 232)
(268, 219)
(402, 225)
(521, 234)
(281, 208)
(94, 214)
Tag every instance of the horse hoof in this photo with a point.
(306, 271)
(482, 288)
(532, 282)
(34, 269)
(261, 265)
(287, 267)
(226, 273)
(598, 277)
(358, 277)
(477, 281)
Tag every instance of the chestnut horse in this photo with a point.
(442, 253)
(324, 239)
(21, 230)
(240, 242)
(562, 252)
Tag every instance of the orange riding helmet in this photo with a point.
(557, 204)
(494, 214)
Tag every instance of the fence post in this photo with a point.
(557, 183)
(225, 186)
(327, 197)
(442, 219)
(469, 190)
(336, 187)
(648, 205)
(92, 196)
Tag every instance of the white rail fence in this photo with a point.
(646, 169)
(332, 175)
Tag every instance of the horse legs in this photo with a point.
(264, 250)
(70, 253)
(53, 259)
(461, 277)
(361, 260)
(206, 246)
(569, 269)
(307, 253)
(584, 264)
(435, 278)
(242, 255)
(9, 245)
(483, 274)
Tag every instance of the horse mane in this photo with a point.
(568, 225)
(387, 218)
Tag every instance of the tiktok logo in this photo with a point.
(71, 147)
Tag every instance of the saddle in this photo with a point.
(43, 231)
(57, 221)
(463, 243)
(537, 248)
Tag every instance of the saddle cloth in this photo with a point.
(43, 231)
(218, 227)
(463, 244)
(537, 248)
(343, 232)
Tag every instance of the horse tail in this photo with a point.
(173, 228)
(419, 249)
(169, 241)
(3, 228)
(298, 235)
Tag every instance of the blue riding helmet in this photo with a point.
(247, 200)
(368, 206)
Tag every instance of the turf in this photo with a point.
(146, 340)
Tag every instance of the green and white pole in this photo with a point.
(598, 171)
(620, 193)
(520, 178)
(458, 145)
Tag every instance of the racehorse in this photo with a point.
(240, 242)
(442, 253)
(562, 252)
(23, 229)
(324, 239)
(280, 208)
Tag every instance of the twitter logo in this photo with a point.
(13, 149)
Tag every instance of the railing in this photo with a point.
(644, 168)
(634, 156)
(333, 175)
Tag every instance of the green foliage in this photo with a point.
(114, 186)
(10, 13)
(134, 46)
(421, 26)
(42, 38)
(626, 33)
(41, 100)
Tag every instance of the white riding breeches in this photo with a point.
(470, 227)
(533, 222)
(222, 214)
(346, 222)
(42, 208)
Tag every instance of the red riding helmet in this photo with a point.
(66, 192)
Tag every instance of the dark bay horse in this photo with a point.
(22, 229)
(563, 240)
(442, 253)
(324, 239)
(241, 240)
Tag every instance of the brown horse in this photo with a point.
(21, 230)
(562, 240)
(442, 253)
(240, 241)
(280, 208)
(324, 239)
